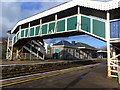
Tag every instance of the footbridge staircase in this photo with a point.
(35, 48)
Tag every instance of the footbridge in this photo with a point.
(77, 17)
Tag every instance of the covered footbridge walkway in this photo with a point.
(76, 17)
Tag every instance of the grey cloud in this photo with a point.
(12, 13)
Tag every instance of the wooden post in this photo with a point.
(8, 42)
(17, 54)
(37, 55)
(108, 43)
(30, 52)
(11, 53)
(91, 21)
(78, 19)
(29, 30)
(25, 56)
(55, 28)
(43, 52)
(40, 32)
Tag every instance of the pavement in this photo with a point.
(94, 77)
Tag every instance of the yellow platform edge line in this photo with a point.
(42, 77)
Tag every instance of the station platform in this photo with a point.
(94, 77)
(97, 78)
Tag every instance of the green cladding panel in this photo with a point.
(99, 28)
(26, 33)
(17, 35)
(61, 26)
(37, 30)
(51, 28)
(22, 33)
(14, 39)
(72, 23)
(85, 23)
(44, 29)
(32, 31)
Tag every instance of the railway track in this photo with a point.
(21, 70)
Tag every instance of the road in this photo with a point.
(94, 77)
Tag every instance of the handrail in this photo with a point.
(37, 44)
(115, 60)
(117, 48)
(115, 56)
(34, 50)
(42, 49)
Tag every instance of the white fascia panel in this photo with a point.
(46, 13)
(99, 5)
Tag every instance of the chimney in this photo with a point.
(73, 42)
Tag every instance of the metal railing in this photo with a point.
(33, 50)
(114, 64)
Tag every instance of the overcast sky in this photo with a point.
(12, 12)
(15, 10)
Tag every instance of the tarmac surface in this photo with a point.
(95, 77)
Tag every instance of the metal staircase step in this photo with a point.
(114, 71)
(114, 76)
(34, 51)
(114, 65)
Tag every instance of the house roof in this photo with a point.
(95, 4)
(102, 51)
(77, 45)
(65, 43)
